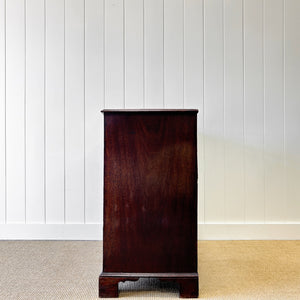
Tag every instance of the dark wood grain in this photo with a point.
(150, 194)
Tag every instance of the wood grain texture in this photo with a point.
(150, 193)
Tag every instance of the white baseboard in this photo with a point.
(94, 232)
(248, 231)
(50, 232)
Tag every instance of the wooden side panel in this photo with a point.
(150, 222)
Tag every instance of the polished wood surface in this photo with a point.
(150, 197)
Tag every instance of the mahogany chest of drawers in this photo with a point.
(150, 198)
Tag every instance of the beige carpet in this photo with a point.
(227, 270)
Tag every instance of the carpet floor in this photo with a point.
(227, 270)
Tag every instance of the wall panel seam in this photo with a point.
(45, 165)
(124, 60)
(224, 115)
(25, 113)
(84, 117)
(104, 65)
(183, 54)
(244, 110)
(64, 85)
(143, 53)
(284, 110)
(203, 123)
(5, 121)
(264, 102)
(163, 42)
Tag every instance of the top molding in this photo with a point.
(147, 110)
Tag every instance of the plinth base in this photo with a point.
(108, 282)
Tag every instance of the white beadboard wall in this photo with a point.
(237, 61)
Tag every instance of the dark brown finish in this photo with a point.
(148, 110)
(188, 285)
(150, 198)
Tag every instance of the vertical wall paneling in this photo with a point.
(35, 111)
(114, 54)
(254, 111)
(214, 111)
(292, 108)
(62, 61)
(153, 53)
(94, 101)
(2, 114)
(193, 81)
(74, 114)
(274, 112)
(233, 111)
(15, 110)
(134, 53)
(54, 111)
(173, 53)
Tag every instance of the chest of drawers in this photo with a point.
(150, 198)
